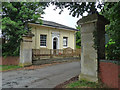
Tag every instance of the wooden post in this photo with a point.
(39, 53)
(79, 51)
(72, 53)
(51, 53)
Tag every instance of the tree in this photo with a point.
(15, 16)
(112, 13)
(78, 8)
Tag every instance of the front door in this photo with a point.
(55, 43)
(55, 46)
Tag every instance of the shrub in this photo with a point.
(112, 51)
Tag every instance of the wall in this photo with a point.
(37, 30)
(110, 73)
(10, 60)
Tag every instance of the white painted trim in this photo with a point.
(43, 46)
(65, 47)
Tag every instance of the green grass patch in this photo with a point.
(8, 67)
(84, 84)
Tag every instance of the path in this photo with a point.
(47, 77)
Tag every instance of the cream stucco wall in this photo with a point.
(37, 30)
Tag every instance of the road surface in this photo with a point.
(47, 77)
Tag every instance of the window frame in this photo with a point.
(66, 42)
(43, 41)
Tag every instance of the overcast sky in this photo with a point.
(63, 18)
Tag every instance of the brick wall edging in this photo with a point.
(109, 73)
(10, 60)
(111, 61)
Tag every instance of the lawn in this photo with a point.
(8, 67)
(84, 84)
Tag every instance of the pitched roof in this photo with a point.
(56, 25)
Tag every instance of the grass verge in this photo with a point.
(8, 67)
(84, 84)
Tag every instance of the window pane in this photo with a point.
(65, 41)
(43, 40)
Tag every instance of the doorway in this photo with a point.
(55, 41)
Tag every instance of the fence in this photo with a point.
(55, 53)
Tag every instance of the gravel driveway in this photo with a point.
(47, 77)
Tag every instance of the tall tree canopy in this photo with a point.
(15, 15)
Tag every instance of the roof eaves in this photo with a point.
(56, 26)
(61, 27)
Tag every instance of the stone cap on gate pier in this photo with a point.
(93, 18)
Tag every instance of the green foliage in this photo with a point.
(112, 13)
(78, 46)
(78, 38)
(112, 53)
(15, 15)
